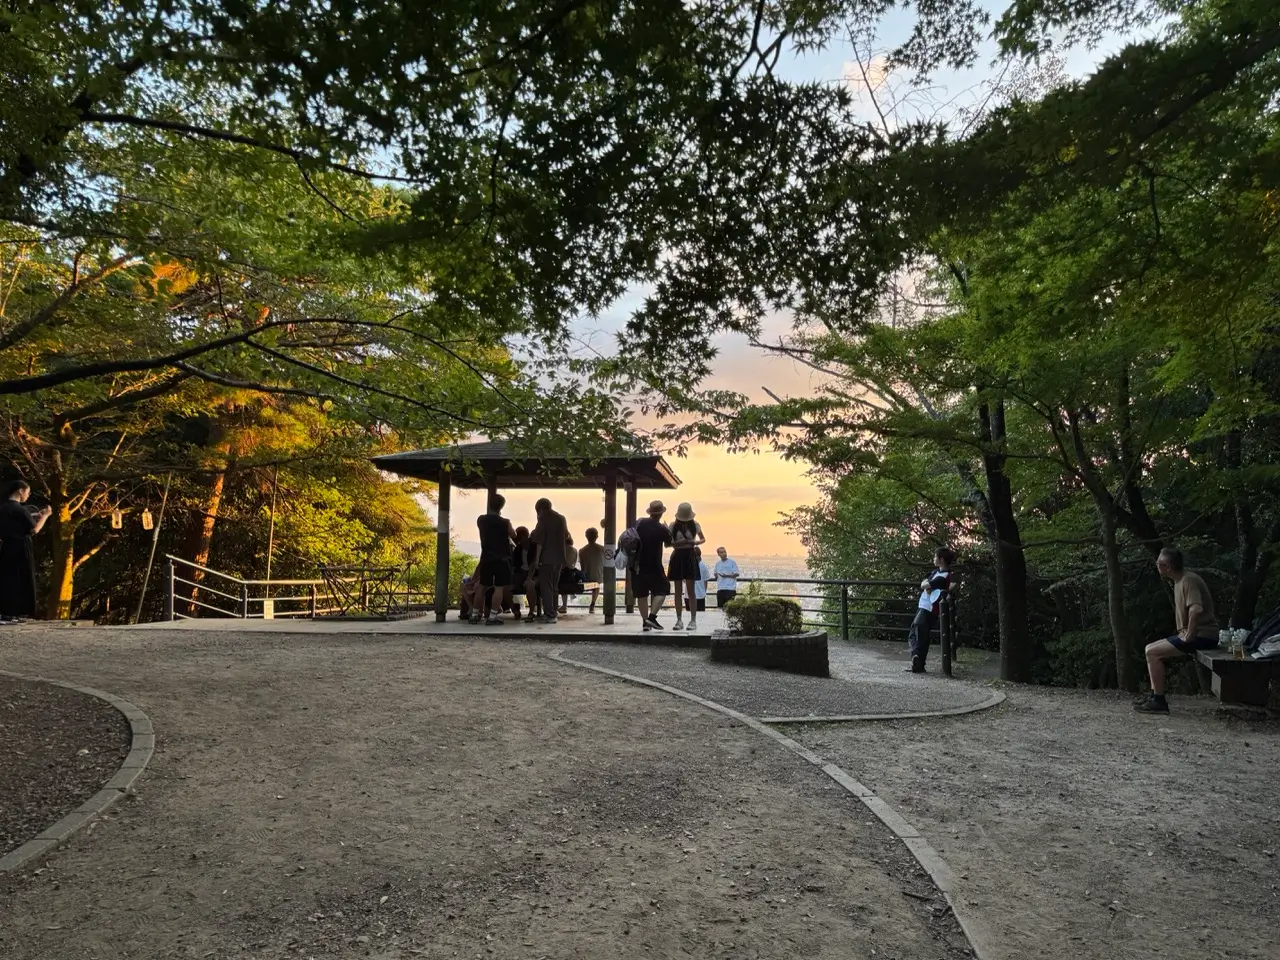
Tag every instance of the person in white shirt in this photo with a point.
(726, 574)
(700, 585)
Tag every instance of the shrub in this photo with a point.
(764, 616)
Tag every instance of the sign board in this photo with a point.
(610, 550)
(268, 609)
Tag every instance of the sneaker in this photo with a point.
(493, 620)
(678, 625)
(693, 623)
(653, 622)
(1152, 705)
(548, 620)
(647, 627)
(917, 664)
(474, 619)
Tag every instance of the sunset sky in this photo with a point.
(740, 497)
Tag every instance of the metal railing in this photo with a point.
(194, 590)
(866, 608)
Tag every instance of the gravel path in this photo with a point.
(862, 682)
(356, 796)
(57, 748)
(1080, 829)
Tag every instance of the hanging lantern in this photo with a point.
(147, 522)
(117, 518)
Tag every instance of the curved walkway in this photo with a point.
(397, 796)
(141, 746)
(864, 684)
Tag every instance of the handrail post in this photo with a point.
(244, 602)
(946, 614)
(844, 612)
(168, 596)
(313, 599)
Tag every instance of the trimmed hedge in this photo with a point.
(764, 616)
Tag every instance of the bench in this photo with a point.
(1244, 681)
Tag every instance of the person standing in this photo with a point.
(932, 590)
(591, 559)
(700, 585)
(726, 574)
(496, 538)
(686, 537)
(649, 579)
(17, 558)
(1197, 626)
(519, 570)
(568, 573)
(550, 537)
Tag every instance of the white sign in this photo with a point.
(610, 550)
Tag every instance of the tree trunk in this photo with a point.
(200, 539)
(62, 546)
(1127, 673)
(1011, 561)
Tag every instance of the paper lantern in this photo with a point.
(117, 518)
(147, 522)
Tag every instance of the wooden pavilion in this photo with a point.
(491, 466)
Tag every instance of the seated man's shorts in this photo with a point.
(1199, 643)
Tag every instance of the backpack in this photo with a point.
(628, 553)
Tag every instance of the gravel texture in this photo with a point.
(357, 796)
(1080, 829)
(57, 748)
(862, 682)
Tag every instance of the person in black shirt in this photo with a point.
(520, 571)
(496, 537)
(650, 580)
(17, 560)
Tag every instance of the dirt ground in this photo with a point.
(1081, 829)
(395, 797)
(57, 748)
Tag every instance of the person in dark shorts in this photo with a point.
(686, 538)
(650, 580)
(496, 537)
(1197, 626)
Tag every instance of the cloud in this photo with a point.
(861, 78)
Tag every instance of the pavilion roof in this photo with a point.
(471, 464)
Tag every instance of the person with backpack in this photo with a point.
(648, 578)
(686, 538)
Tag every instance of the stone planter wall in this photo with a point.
(797, 653)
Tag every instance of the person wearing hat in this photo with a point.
(686, 537)
(650, 580)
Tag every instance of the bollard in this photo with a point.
(844, 612)
(168, 597)
(945, 617)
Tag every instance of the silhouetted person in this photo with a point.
(17, 559)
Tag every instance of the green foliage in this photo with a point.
(764, 616)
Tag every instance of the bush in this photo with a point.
(1081, 658)
(764, 616)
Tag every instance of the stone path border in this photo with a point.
(980, 938)
(141, 748)
(995, 699)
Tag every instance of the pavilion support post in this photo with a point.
(491, 481)
(611, 538)
(442, 549)
(631, 522)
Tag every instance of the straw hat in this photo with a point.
(684, 512)
(656, 507)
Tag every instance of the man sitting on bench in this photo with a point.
(1197, 626)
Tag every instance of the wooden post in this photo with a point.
(945, 613)
(610, 537)
(313, 598)
(844, 612)
(631, 522)
(491, 481)
(168, 596)
(442, 549)
(244, 602)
